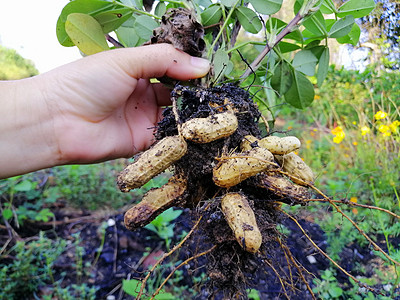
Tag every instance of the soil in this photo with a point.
(128, 254)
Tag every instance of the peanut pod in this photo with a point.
(154, 202)
(152, 162)
(295, 166)
(284, 188)
(205, 130)
(238, 167)
(275, 144)
(242, 221)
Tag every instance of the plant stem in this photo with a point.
(256, 63)
(210, 50)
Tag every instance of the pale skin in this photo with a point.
(98, 108)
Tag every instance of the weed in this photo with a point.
(163, 225)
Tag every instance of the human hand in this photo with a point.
(97, 108)
(105, 106)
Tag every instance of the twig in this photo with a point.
(356, 204)
(165, 255)
(256, 63)
(356, 226)
(326, 255)
(279, 277)
(288, 253)
(114, 42)
(179, 266)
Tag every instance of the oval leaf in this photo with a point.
(79, 6)
(266, 7)
(305, 62)
(353, 37)
(301, 93)
(113, 18)
(281, 81)
(211, 15)
(323, 66)
(144, 26)
(356, 8)
(221, 64)
(160, 9)
(86, 33)
(248, 19)
(341, 27)
(316, 24)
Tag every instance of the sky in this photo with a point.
(29, 26)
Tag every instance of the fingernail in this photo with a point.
(200, 63)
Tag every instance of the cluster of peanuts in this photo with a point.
(255, 157)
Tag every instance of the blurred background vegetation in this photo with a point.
(350, 138)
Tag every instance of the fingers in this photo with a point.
(159, 60)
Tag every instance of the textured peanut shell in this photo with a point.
(242, 221)
(294, 165)
(280, 145)
(232, 171)
(152, 162)
(275, 144)
(205, 130)
(154, 202)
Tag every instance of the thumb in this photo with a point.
(160, 60)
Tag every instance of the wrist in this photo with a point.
(26, 128)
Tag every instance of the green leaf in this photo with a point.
(266, 7)
(144, 26)
(86, 33)
(221, 64)
(353, 37)
(91, 7)
(7, 213)
(112, 19)
(285, 47)
(248, 19)
(282, 78)
(301, 93)
(341, 27)
(323, 66)
(24, 186)
(316, 24)
(211, 15)
(228, 3)
(130, 286)
(327, 7)
(305, 62)
(160, 9)
(356, 8)
(279, 24)
(127, 34)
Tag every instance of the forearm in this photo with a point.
(27, 141)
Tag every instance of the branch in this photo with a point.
(305, 10)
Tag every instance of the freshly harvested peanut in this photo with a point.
(242, 221)
(280, 145)
(294, 165)
(205, 130)
(238, 167)
(152, 162)
(283, 187)
(247, 142)
(155, 202)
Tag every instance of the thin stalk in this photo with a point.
(210, 50)
(256, 63)
(138, 11)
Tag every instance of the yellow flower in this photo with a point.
(339, 134)
(317, 97)
(354, 123)
(394, 125)
(365, 130)
(355, 143)
(385, 130)
(380, 115)
(353, 199)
